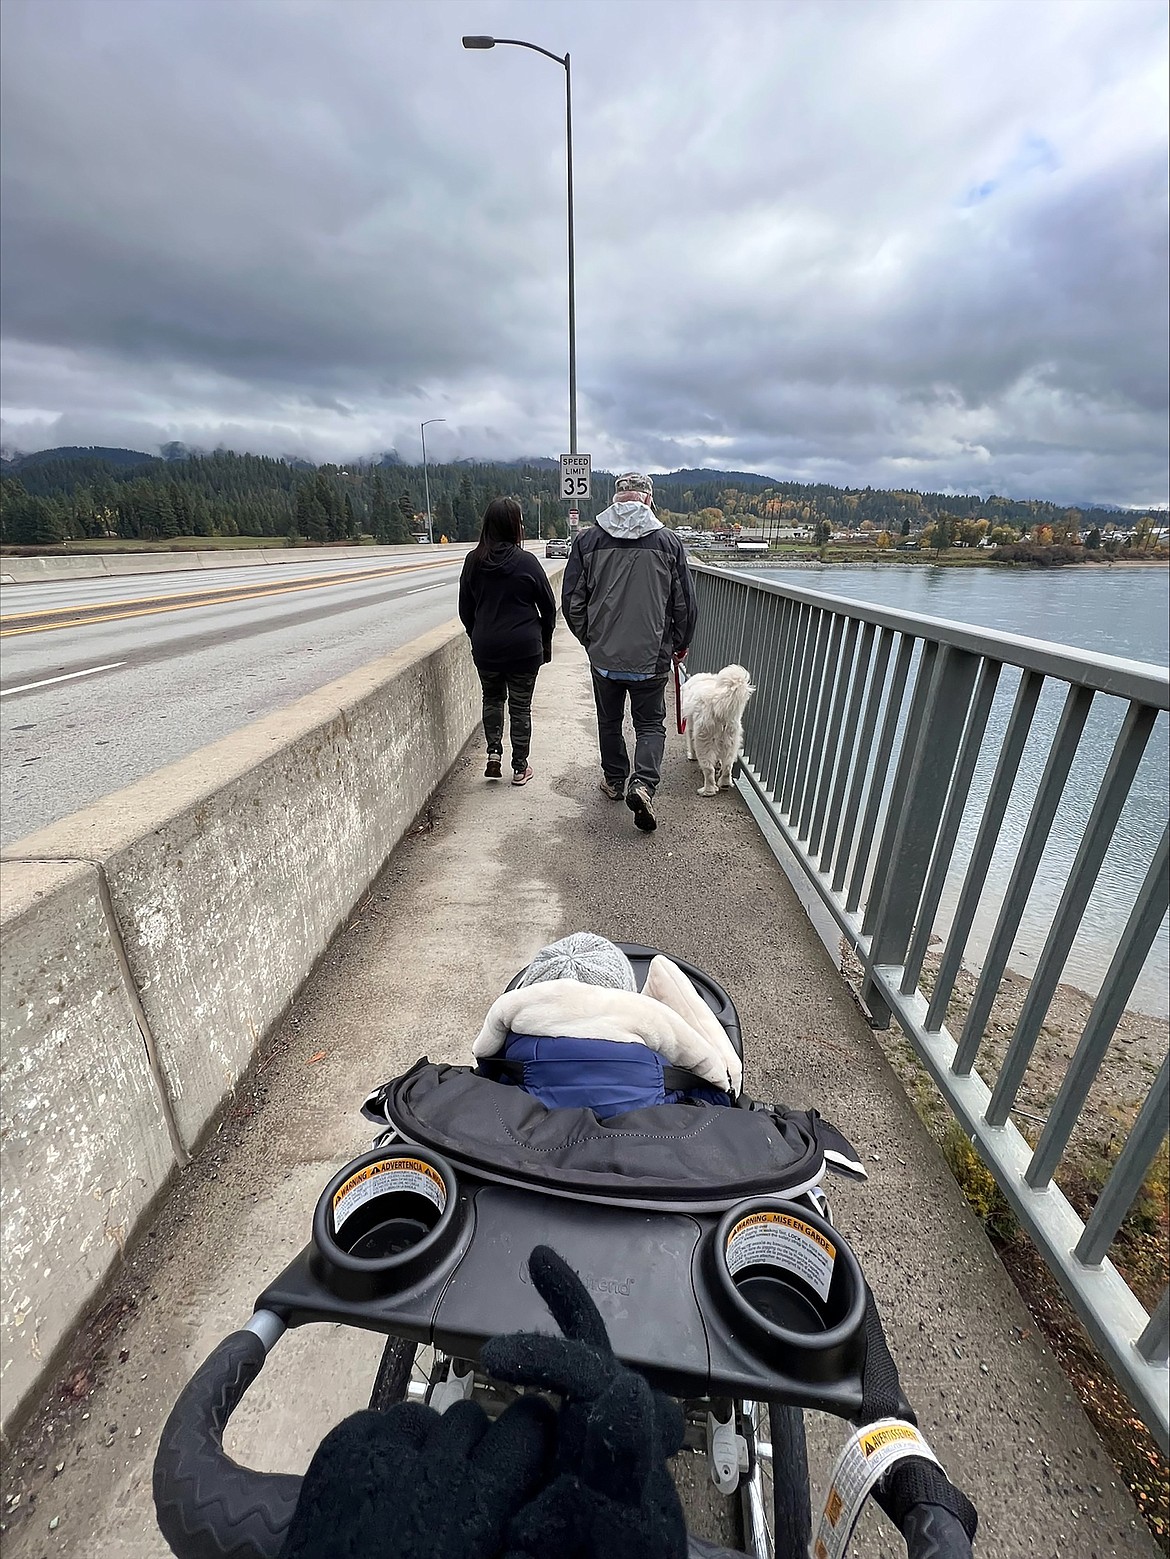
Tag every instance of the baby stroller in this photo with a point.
(704, 1238)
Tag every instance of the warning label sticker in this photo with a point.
(772, 1239)
(384, 1177)
(867, 1456)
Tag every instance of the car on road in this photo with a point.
(556, 549)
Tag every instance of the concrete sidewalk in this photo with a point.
(491, 874)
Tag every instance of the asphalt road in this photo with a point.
(103, 681)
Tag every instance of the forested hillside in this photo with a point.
(89, 494)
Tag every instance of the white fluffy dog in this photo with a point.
(713, 703)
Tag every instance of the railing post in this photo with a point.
(931, 747)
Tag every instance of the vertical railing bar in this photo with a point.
(1048, 797)
(779, 740)
(908, 752)
(705, 589)
(825, 703)
(1154, 1343)
(949, 828)
(801, 672)
(880, 767)
(762, 670)
(755, 612)
(1006, 769)
(780, 614)
(921, 801)
(861, 756)
(748, 596)
(833, 755)
(1124, 1183)
(1141, 928)
(721, 627)
(785, 640)
(1107, 808)
(798, 658)
(846, 749)
(728, 622)
(817, 638)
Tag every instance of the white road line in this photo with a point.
(68, 677)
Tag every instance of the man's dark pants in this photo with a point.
(648, 711)
(517, 687)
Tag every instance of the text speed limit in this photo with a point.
(576, 476)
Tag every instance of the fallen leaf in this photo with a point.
(317, 1056)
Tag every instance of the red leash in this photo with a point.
(680, 677)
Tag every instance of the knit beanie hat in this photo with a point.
(631, 483)
(585, 957)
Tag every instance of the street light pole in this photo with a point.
(422, 428)
(518, 43)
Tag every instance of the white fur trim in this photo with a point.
(666, 982)
(568, 1009)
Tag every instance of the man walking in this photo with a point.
(627, 595)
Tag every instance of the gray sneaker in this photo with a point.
(641, 804)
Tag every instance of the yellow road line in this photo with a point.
(156, 605)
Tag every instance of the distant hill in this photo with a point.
(744, 480)
(110, 457)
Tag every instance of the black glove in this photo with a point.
(411, 1484)
(611, 1496)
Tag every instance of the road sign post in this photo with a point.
(576, 477)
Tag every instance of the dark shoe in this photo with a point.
(522, 776)
(641, 804)
(614, 792)
(494, 770)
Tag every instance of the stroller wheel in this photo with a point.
(792, 1518)
(393, 1377)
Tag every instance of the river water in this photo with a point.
(1117, 611)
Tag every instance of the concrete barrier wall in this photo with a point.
(152, 940)
(85, 1141)
(102, 565)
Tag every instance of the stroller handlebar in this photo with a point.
(209, 1507)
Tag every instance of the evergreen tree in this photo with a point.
(405, 522)
(311, 520)
(943, 533)
(445, 519)
(382, 517)
(465, 512)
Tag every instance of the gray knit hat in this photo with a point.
(585, 957)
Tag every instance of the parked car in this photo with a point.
(556, 549)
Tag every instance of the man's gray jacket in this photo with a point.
(630, 598)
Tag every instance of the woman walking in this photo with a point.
(508, 608)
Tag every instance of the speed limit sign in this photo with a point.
(576, 471)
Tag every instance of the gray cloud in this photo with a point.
(880, 243)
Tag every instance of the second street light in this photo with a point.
(422, 428)
(479, 42)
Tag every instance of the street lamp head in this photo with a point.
(479, 42)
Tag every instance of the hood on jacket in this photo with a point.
(674, 1021)
(503, 559)
(628, 519)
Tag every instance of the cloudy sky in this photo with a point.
(912, 243)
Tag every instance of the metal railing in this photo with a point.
(918, 771)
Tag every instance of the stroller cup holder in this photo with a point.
(787, 1281)
(385, 1222)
